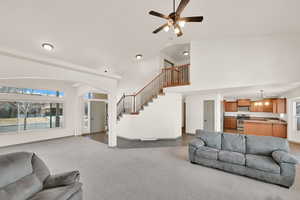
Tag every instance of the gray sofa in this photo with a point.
(260, 157)
(23, 176)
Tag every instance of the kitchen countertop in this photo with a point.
(265, 121)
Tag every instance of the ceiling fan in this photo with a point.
(175, 20)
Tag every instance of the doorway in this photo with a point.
(98, 113)
(209, 115)
(95, 117)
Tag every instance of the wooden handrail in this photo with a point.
(174, 67)
(148, 83)
(132, 104)
(169, 68)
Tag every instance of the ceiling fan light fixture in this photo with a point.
(181, 23)
(176, 30)
(167, 28)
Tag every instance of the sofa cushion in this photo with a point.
(207, 153)
(234, 142)
(265, 145)
(39, 168)
(211, 139)
(59, 193)
(14, 166)
(22, 189)
(263, 163)
(232, 157)
(284, 157)
(197, 142)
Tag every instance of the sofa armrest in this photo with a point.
(284, 157)
(196, 143)
(62, 179)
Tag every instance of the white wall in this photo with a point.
(137, 75)
(292, 96)
(161, 119)
(245, 61)
(29, 73)
(195, 114)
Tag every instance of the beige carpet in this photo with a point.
(149, 174)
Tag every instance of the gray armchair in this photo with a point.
(23, 176)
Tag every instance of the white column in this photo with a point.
(112, 120)
(218, 113)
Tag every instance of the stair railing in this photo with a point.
(169, 77)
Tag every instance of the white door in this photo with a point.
(97, 116)
(209, 115)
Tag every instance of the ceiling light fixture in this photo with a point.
(48, 46)
(181, 23)
(167, 28)
(176, 30)
(139, 56)
(174, 19)
(186, 53)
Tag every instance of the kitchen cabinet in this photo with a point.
(230, 123)
(267, 105)
(230, 106)
(261, 128)
(256, 106)
(279, 105)
(243, 102)
(280, 130)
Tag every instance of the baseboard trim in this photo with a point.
(190, 133)
(153, 140)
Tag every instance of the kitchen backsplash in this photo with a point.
(255, 114)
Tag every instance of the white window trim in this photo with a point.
(34, 99)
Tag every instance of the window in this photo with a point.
(19, 113)
(27, 91)
(95, 96)
(22, 116)
(298, 116)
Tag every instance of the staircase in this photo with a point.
(169, 77)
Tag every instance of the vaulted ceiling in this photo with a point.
(99, 34)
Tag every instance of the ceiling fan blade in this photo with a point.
(180, 33)
(181, 6)
(192, 19)
(156, 14)
(160, 28)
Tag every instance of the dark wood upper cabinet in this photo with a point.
(279, 105)
(230, 106)
(267, 105)
(244, 102)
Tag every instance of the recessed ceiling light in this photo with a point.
(139, 56)
(48, 46)
(186, 53)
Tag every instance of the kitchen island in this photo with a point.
(266, 127)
